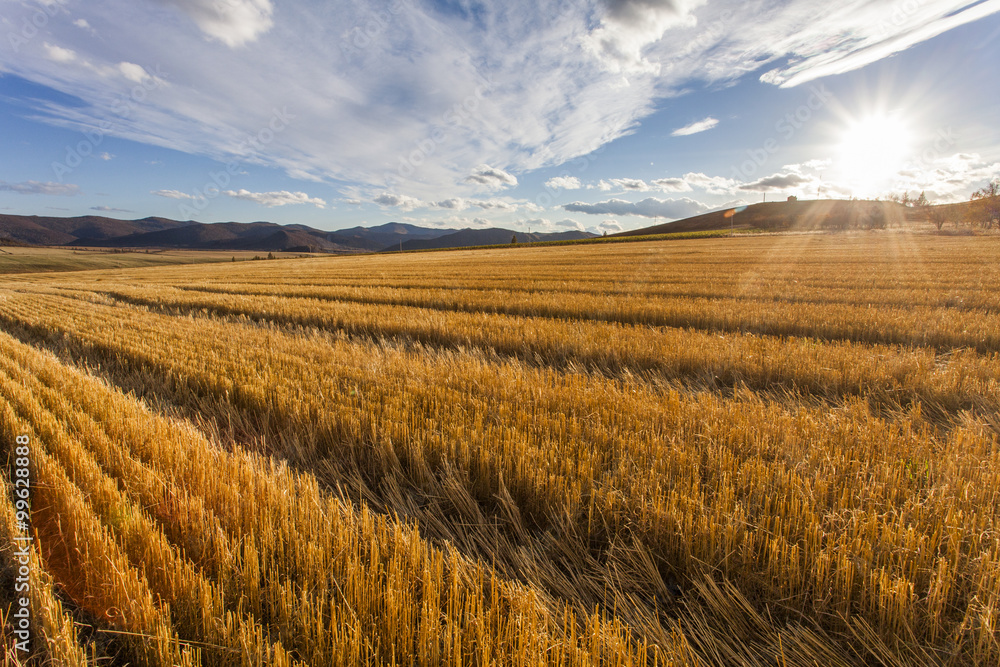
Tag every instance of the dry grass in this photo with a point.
(736, 451)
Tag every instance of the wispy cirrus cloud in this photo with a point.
(41, 188)
(695, 127)
(276, 198)
(110, 209)
(172, 194)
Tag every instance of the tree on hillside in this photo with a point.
(922, 207)
(984, 207)
(938, 216)
(874, 216)
(513, 239)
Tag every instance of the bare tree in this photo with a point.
(938, 216)
(984, 206)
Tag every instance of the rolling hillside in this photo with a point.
(794, 216)
(385, 236)
(82, 230)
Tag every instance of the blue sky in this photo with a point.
(549, 114)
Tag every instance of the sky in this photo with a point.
(548, 115)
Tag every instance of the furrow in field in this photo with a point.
(111, 589)
(961, 296)
(369, 588)
(751, 489)
(887, 376)
(942, 328)
(199, 611)
(53, 636)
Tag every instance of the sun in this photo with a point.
(871, 152)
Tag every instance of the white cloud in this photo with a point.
(402, 202)
(946, 178)
(83, 24)
(277, 198)
(232, 22)
(110, 209)
(630, 184)
(629, 26)
(491, 177)
(695, 127)
(569, 223)
(495, 204)
(498, 204)
(172, 194)
(779, 181)
(713, 185)
(633, 184)
(564, 183)
(105, 156)
(132, 72)
(41, 188)
(672, 184)
(651, 207)
(352, 202)
(609, 226)
(58, 54)
(454, 203)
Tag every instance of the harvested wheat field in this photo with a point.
(751, 451)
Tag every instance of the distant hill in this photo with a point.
(227, 236)
(42, 230)
(465, 238)
(792, 215)
(384, 236)
(101, 232)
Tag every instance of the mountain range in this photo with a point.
(153, 232)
